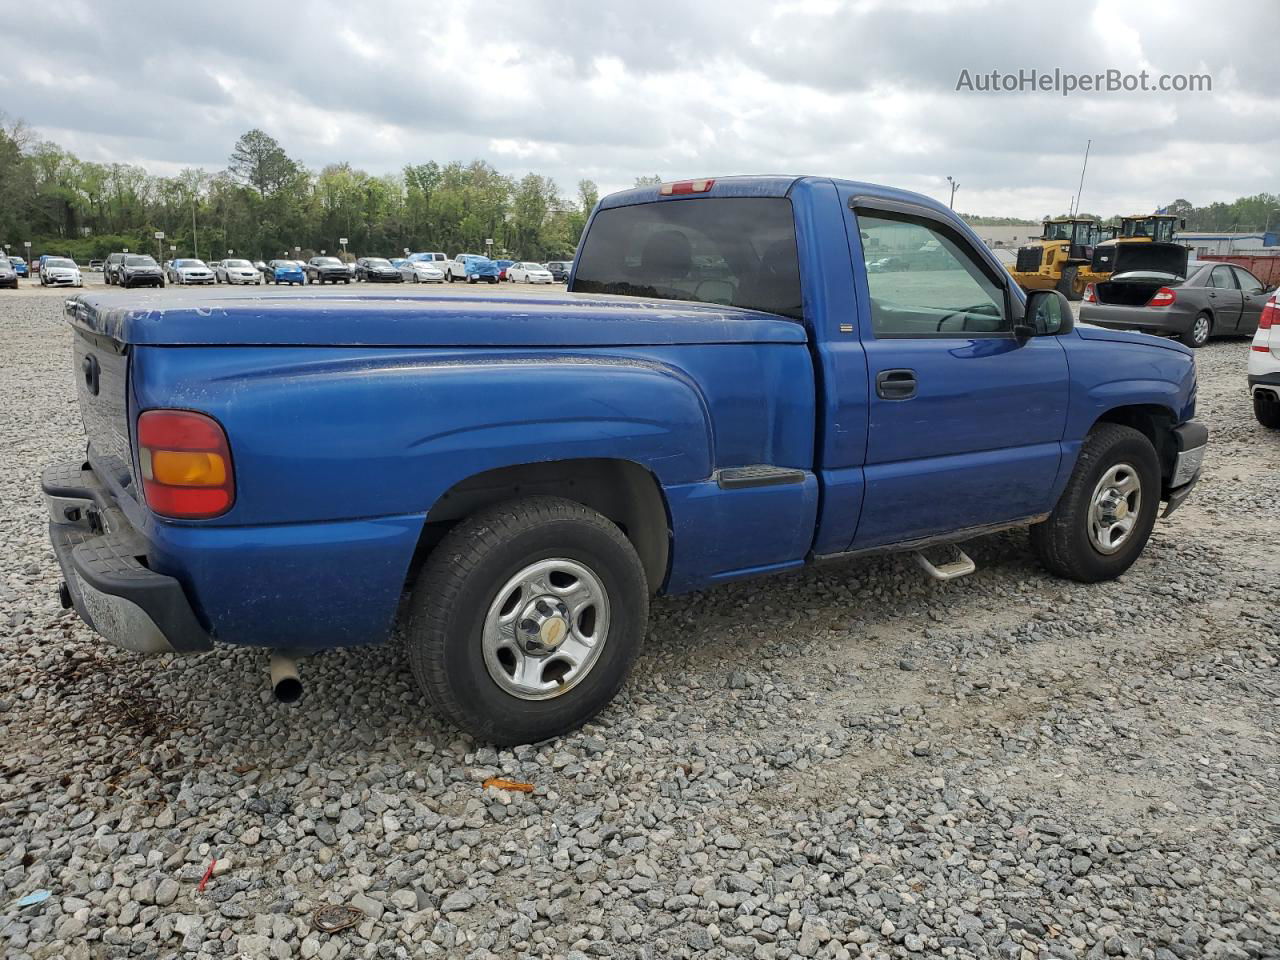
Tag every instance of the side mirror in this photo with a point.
(1048, 314)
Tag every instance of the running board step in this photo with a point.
(962, 566)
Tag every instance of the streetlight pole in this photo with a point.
(954, 187)
(195, 238)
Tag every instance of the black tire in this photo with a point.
(1265, 408)
(1067, 283)
(1062, 542)
(459, 582)
(449, 276)
(1196, 339)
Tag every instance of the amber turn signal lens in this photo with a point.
(188, 469)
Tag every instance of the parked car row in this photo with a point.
(426, 267)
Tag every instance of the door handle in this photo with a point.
(896, 384)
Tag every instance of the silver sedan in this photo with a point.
(421, 271)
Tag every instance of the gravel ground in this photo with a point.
(847, 761)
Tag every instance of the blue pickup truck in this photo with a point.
(725, 391)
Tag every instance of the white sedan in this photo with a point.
(60, 272)
(236, 271)
(529, 272)
(190, 271)
(421, 271)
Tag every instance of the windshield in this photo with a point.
(59, 262)
(731, 250)
(327, 262)
(1157, 229)
(377, 262)
(1057, 231)
(139, 262)
(235, 263)
(188, 263)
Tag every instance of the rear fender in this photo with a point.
(325, 434)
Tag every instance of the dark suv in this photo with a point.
(139, 270)
(327, 270)
(111, 268)
(559, 270)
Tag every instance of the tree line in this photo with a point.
(265, 204)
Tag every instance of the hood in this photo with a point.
(1090, 332)
(573, 320)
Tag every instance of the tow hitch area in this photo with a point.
(959, 566)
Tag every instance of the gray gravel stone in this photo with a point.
(844, 761)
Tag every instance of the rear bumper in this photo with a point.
(1144, 319)
(104, 567)
(1268, 382)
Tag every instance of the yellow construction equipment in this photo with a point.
(1056, 259)
(1141, 228)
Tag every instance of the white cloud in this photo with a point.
(862, 89)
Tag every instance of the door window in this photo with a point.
(1221, 278)
(925, 281)
(1248, 282)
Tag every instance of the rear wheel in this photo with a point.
(1197, 335)
(1266, 407)
(1104, 517)
(526, 619)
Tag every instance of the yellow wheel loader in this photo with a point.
(1056, 259)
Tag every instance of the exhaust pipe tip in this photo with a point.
(285, 683)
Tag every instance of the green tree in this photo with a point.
(257, 160)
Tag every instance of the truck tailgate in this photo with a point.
(101, 366)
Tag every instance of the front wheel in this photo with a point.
(1104, 517)
(525, 620)
(1266, 408)
(1197, 335)
(1067, 283)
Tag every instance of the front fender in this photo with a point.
(1106, 375)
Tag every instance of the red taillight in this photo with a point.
(186, 464)
(682, 187)
(1090, 294)
(1163, 297)
(1270, 315)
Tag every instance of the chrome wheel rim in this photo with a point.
(545, 629)
(1114, 508)
(1200, 330)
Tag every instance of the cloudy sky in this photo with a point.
(681, 88)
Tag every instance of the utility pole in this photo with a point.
(954, 187)
(1083, 167)
(195, 239)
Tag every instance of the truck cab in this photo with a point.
(726, 390)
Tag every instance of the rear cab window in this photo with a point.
(736, 251)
